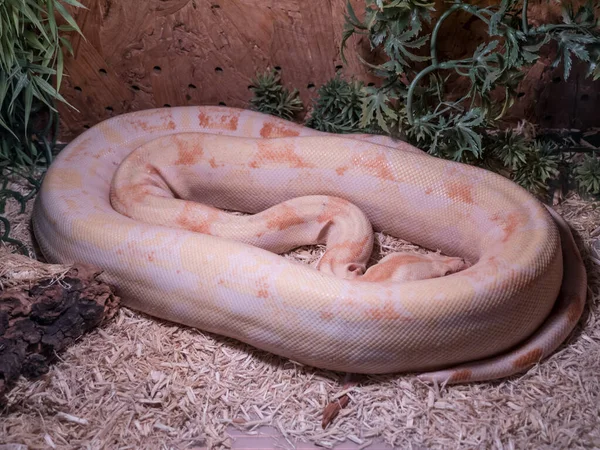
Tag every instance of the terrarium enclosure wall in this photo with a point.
(156, 53)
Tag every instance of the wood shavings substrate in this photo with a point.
(142, 383)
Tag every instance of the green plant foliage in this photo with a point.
(338, 107)
(540, 166)
(32, 43)
(594, 71)
(587, 175)
(31, 58)
(393, 25)
(451, 136)
(458, 128)
(270, 97)
(511, 149)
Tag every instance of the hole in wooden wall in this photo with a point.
(135, 87)
(521, 94)
(371, 84)
(166, 105)
(109, 108)
(102, 71)
(222, 104)
(218, 69)
(310, 86)
(338, 67)
(548, 118)
(215, 6)
(192, 86)
(86, 127)
(250, 87)
(277, 68)
(157, 69)
(77, 88)
(556, 80)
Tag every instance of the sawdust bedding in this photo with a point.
(143, 383)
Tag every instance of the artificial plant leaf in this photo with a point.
(375, 107)
(68, 18)
(75, 3)
(28, 98)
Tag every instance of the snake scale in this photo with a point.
(148, 197)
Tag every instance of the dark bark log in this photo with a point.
(38, 321)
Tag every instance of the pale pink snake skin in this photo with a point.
(516, 300)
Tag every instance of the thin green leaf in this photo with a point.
(28, 102)
(59, 69)
(68, 18)
(52, 19)
(75, 3)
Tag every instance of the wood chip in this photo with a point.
(73, 419)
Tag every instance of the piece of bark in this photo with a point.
(333, 408)
(38, 320)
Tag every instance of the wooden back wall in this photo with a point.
(153, 53)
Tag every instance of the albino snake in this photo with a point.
(114, 198)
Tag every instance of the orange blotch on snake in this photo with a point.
(271, 130)
(335, 207)
(344, 252)
(326, 315)
(140, 124)
(63, 179)
(224, 122)
(377, 166)
(528, 359)
(514, 220)
(197, 227)
(186, 158)
(341, 170)
(167, 123)
(460, 376)
(383, 312)
(489, 269)
(282, 218)
(510, 224)
(188, 153)
(71, 204)
(355, 249)
(263, 288)
(76, 152)
(187, 221)
(204, 120)
(273, 152)
(459, 190)
(129, 194)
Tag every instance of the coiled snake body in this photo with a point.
(137, 196)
